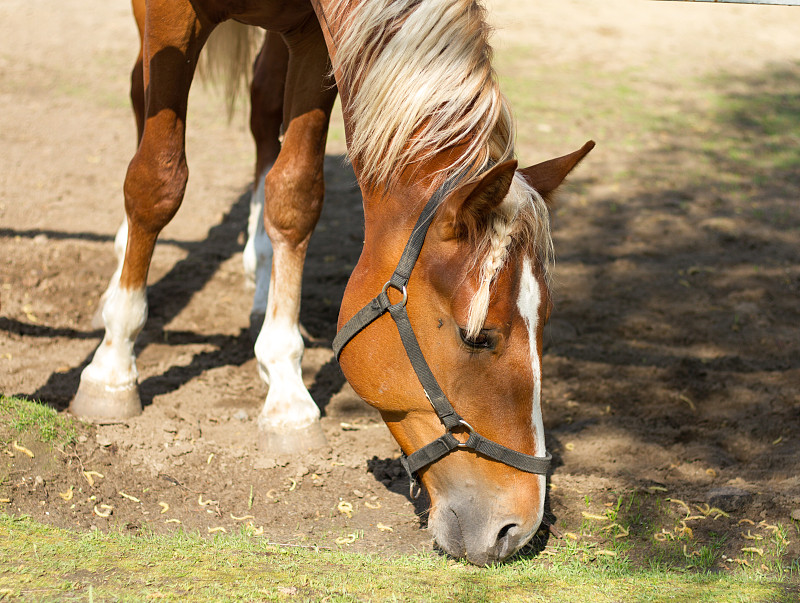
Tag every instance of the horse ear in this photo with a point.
(471, 204)
(547, 176)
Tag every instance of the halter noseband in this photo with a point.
(445, 444)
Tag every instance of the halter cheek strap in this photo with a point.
(451, 420)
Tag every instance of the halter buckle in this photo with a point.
(404, 291)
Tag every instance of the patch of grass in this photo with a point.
(706, 556)
(50, 564)
(43, 422)
(641, 529)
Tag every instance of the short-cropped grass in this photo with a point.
(20, 416)
(648, 529)
(644, 546)
(49, 564)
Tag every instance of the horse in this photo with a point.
(440, 326)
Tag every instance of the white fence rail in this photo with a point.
(778, 2)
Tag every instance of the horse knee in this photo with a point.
(294, 195)
(154, 189)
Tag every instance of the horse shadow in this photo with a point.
(391, 474)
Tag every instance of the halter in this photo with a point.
(451, 420)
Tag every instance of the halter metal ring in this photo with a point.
(403, 290)
(470, 429)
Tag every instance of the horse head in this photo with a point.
(477, 301)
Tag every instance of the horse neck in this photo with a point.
(389, 218)
(391, 209)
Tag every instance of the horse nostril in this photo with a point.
(503, 533)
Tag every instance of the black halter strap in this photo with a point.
(444, 409)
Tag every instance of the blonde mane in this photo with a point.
(420, 80)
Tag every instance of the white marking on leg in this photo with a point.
(529, 300)
(120, 243)
(114, 362)
(257, 255)
(279, 350)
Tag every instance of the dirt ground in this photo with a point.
(673, 360)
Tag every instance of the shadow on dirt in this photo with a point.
(166, 299)
(391, 474)
(683, 301)
(340, 228)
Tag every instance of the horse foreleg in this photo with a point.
(294, 189)
(154, 188)
(137, 103)
(266, 116)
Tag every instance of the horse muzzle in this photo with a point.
(480, 535)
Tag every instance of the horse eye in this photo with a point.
(481, 341)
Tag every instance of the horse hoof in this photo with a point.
(293, 441)
(97, 401)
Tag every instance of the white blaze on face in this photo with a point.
(528, 303)
(530, 298)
